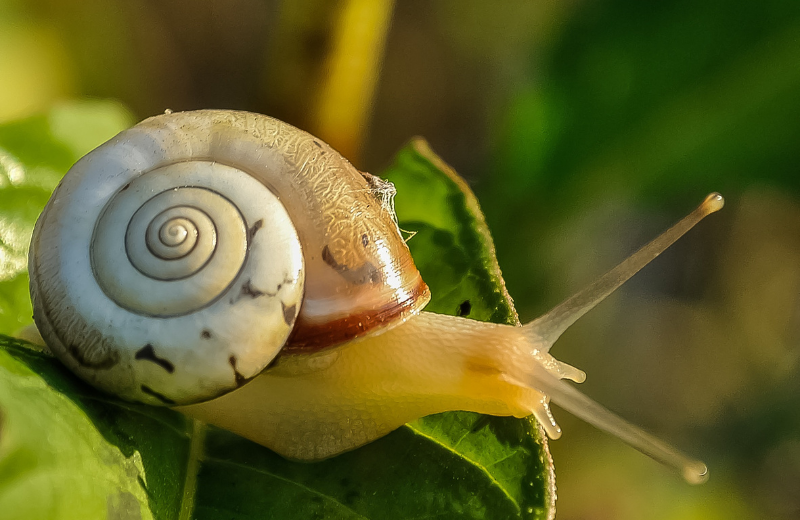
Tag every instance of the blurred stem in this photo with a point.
(351, 73)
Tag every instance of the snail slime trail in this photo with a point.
(178, 295)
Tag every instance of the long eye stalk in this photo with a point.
(547, 329)
(554, 323)
(569, 398)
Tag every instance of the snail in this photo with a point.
(243, 272)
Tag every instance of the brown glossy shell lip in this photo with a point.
(309, 337)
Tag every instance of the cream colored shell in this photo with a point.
(176, 261)
(177, 324)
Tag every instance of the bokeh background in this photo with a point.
(585, 128)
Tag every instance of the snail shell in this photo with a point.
(176, 260)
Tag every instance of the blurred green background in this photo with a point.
(585, 128)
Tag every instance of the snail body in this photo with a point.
(241, 270)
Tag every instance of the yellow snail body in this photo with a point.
(174, 263)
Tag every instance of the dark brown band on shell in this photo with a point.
(312, 337)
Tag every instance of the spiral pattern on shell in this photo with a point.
(172, 236)
(176, 286)
(175, 261)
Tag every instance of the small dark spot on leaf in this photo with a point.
(289, 313)
(148, 353)
(351, 496)
(161, 397)
(206, 334)
(465, 308)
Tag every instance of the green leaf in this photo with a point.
(451, 244)
(72, 452)
(67, 451)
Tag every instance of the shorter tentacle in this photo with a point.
(566, 371)
(541, 411)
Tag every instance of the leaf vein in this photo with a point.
(475, 463)
(193, 460)
(288, 481)
(117, 404)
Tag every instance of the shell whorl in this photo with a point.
(176, 260)
(193, 238)
(169, 285)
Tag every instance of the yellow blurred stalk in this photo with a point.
(351, 74)
(35, 70)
